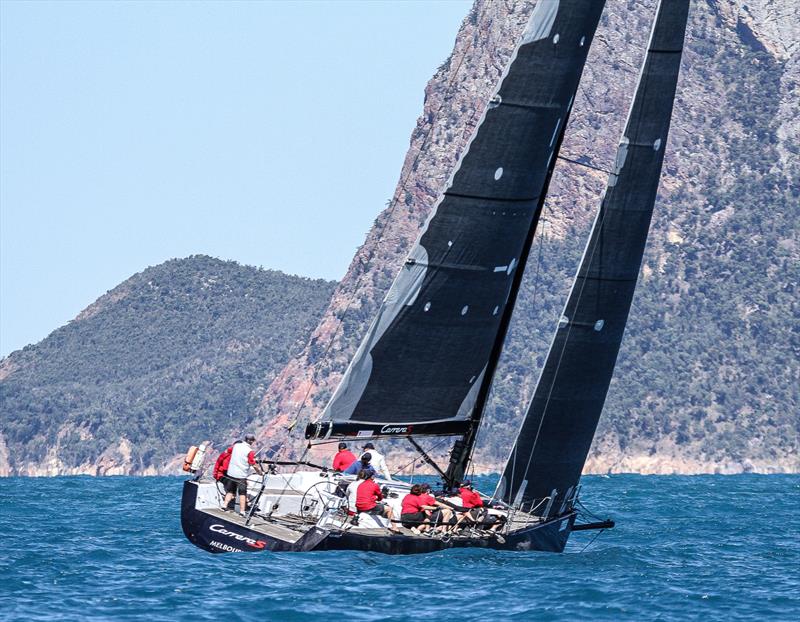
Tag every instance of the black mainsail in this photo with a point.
(545, 465)
(426, 363)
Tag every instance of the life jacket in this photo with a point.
(221, 465)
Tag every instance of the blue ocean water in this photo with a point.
(685, 548)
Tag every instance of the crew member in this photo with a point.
(352, 493)
(368, 497)
(343, 458)
(363, 464)
(441, 516)
(415, 511)
(478, 513)
(242, 459)
(469, 498)
(378, 462)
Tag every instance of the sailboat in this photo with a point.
(426, 364)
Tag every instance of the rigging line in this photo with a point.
(545, 220)
(408, 464)
(425, 457)
(641, 90)
(589, 512)
(286, 480)
(599, 227)
(597, 535)
(579, 163)
(385, 224)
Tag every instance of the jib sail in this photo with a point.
(426, 362)
(545, 465)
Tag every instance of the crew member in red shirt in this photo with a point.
(415, 512)
(472, 501)
(441, 516)
(477, 510)
(469, 498)
(343, 458)
(368, 497)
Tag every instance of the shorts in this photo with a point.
(235, 485)
(380, 508)
(436, 516)
(413, 519)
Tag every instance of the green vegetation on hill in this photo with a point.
(709, 364)
(176, 354)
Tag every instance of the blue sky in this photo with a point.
(268, 133)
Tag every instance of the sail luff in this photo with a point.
(427, 355)
(461, 454)
(557, 430)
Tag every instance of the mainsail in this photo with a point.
(426, 362)
(545, 465)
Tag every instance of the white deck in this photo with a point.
(290, 504)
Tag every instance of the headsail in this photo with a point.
(427, 360)
(558, 428)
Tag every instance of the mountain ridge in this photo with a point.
(702, 189)
(708, 378)
(172, 353)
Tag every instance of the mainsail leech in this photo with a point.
(549, 453)
(431, 351)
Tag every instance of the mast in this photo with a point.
(543, 470)
(461, 453)
(425, 365)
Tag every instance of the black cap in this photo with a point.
(342, 445)
(369, 446)
(249, 438)
(466, 484)
(366, 457)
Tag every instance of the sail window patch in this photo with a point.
(449, 243)
(464, 309)
(495, 101)
(511, 266)
(564, 321)
(498, 173)
(556, 38)
(657, 144)
(427, 307)
(598, 325)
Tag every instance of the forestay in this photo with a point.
(429, 353)
(558, 428)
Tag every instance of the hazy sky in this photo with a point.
(133, 132)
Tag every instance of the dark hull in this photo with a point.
(218, 535)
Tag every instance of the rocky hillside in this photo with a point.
(709, 374)
(708, 377)
(177, 353)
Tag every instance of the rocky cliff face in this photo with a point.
(708, 377)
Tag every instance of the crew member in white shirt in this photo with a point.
(378, 462)
(242, 459)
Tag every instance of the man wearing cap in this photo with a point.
(242, 458)
(343, 458)
(378, 462)
(469, 498)
(363, 464)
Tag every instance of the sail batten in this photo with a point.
(557, 431)
(430, 352)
